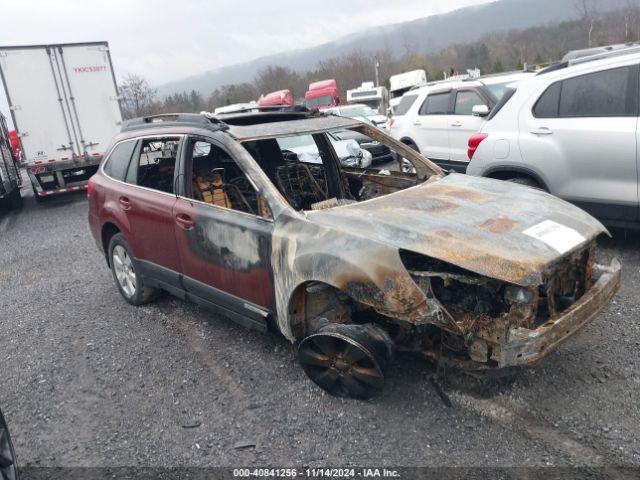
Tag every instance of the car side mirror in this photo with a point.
(480, 110)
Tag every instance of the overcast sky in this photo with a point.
(166, 40)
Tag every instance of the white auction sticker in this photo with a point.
(557, 236)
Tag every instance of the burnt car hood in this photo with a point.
(495, 228)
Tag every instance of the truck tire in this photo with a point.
(129, 281)
(15, 199)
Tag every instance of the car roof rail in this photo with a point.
(204, 120)
(618, 52)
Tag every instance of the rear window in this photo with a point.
(608, 93)
(404, 105)
(118, 161)
(596, 94)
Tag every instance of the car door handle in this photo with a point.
(125, 203)
(457, 123)
(185, 221)
(417, 122)
(542, 131)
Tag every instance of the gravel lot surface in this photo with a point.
(88, 380)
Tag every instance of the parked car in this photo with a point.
(437, 120)
(303, 148)
(380, 153)
(349, 263)
(8, 466)
(571, 130)
(359, 111)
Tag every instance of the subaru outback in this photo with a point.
(351, 264)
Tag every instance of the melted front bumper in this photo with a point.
(525, 347)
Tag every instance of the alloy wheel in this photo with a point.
(341, 365)
(125, 273)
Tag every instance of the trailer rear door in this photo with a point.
(91, 83)
(39, 112)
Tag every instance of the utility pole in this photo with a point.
(377, 65)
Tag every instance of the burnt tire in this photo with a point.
(8, 467)
(347, 360)
(129, 281)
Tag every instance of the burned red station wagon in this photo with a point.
(257, 217)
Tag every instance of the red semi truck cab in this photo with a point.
(281, 97)
(322, 94)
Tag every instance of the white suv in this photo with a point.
(438, 119)
(573, 131)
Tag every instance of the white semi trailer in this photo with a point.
(65, 108)
(403, 82)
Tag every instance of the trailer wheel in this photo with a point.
(123, 267)
(347, 360)
(8, 468)
(15, 199)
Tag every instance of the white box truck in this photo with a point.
(403, 82)
(65, 107)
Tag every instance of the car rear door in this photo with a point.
(223, 232)
(431, 126)
(581, 134)
(148, 201)
(463, 124)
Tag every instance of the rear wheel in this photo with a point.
(8, 468)
(129, 281)
(346, 360)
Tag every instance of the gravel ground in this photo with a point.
(88, 380)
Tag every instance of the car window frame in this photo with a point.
(632, 101)
(478, 93)
(110, 153)
(434, 93)
(186, 169)
(136, 151)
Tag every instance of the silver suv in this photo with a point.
(571, 130)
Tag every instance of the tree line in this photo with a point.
(493, 53)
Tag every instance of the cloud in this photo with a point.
(165, 40)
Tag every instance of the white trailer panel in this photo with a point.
(63, 99)
(65, 107)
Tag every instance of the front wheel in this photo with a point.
(346, 360)
(8, 467)
(129, 281)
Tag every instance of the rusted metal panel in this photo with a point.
(471, 222)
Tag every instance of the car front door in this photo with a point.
(224, 230)
(462, 125)
(581, 134)
(431, 126)
(148, 203)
